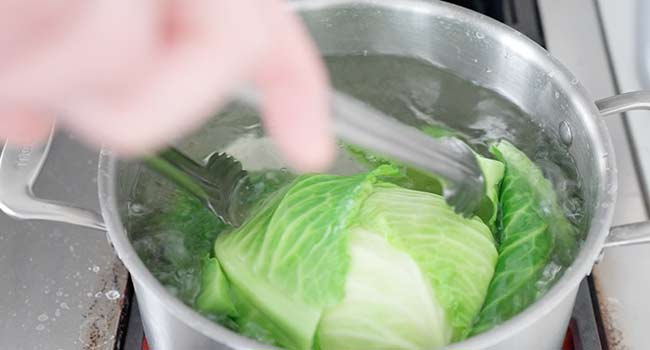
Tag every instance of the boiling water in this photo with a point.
(413, 91)
(418, 94)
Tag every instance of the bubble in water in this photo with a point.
(566, 134)
(98, 295)
(476, 60)
(42, 317)
(556, 94)
(479, 35)
(40, 327)
(64, 306)
(136, 208)
(548, 275)
(488, 70)
(574, 81)
(113, 295)
(96, 269)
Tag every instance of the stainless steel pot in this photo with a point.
(469, 44)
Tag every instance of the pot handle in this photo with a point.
(624, 102)
(630, 234)
(636, 233)
(19, 169)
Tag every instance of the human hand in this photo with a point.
(134, 75)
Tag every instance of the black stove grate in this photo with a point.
(523, 15)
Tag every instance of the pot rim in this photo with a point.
(589, 252)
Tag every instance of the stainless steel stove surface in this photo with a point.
(63, 287)
(623, 286)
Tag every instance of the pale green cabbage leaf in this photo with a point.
(350, 262)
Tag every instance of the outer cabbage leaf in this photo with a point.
(252, 322)
(492, 175)
(422, 181)
(493, 171)
(290, 259)
(214, 297)
(457, 255)
(534, 231)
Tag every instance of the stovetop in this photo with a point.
(522, 15)
(621, 278)
(63, 287)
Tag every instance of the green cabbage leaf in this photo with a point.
(351, 262)
(536, 239)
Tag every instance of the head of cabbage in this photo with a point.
(351, 262)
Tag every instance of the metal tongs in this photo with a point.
(451, 159)
(358, 124)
